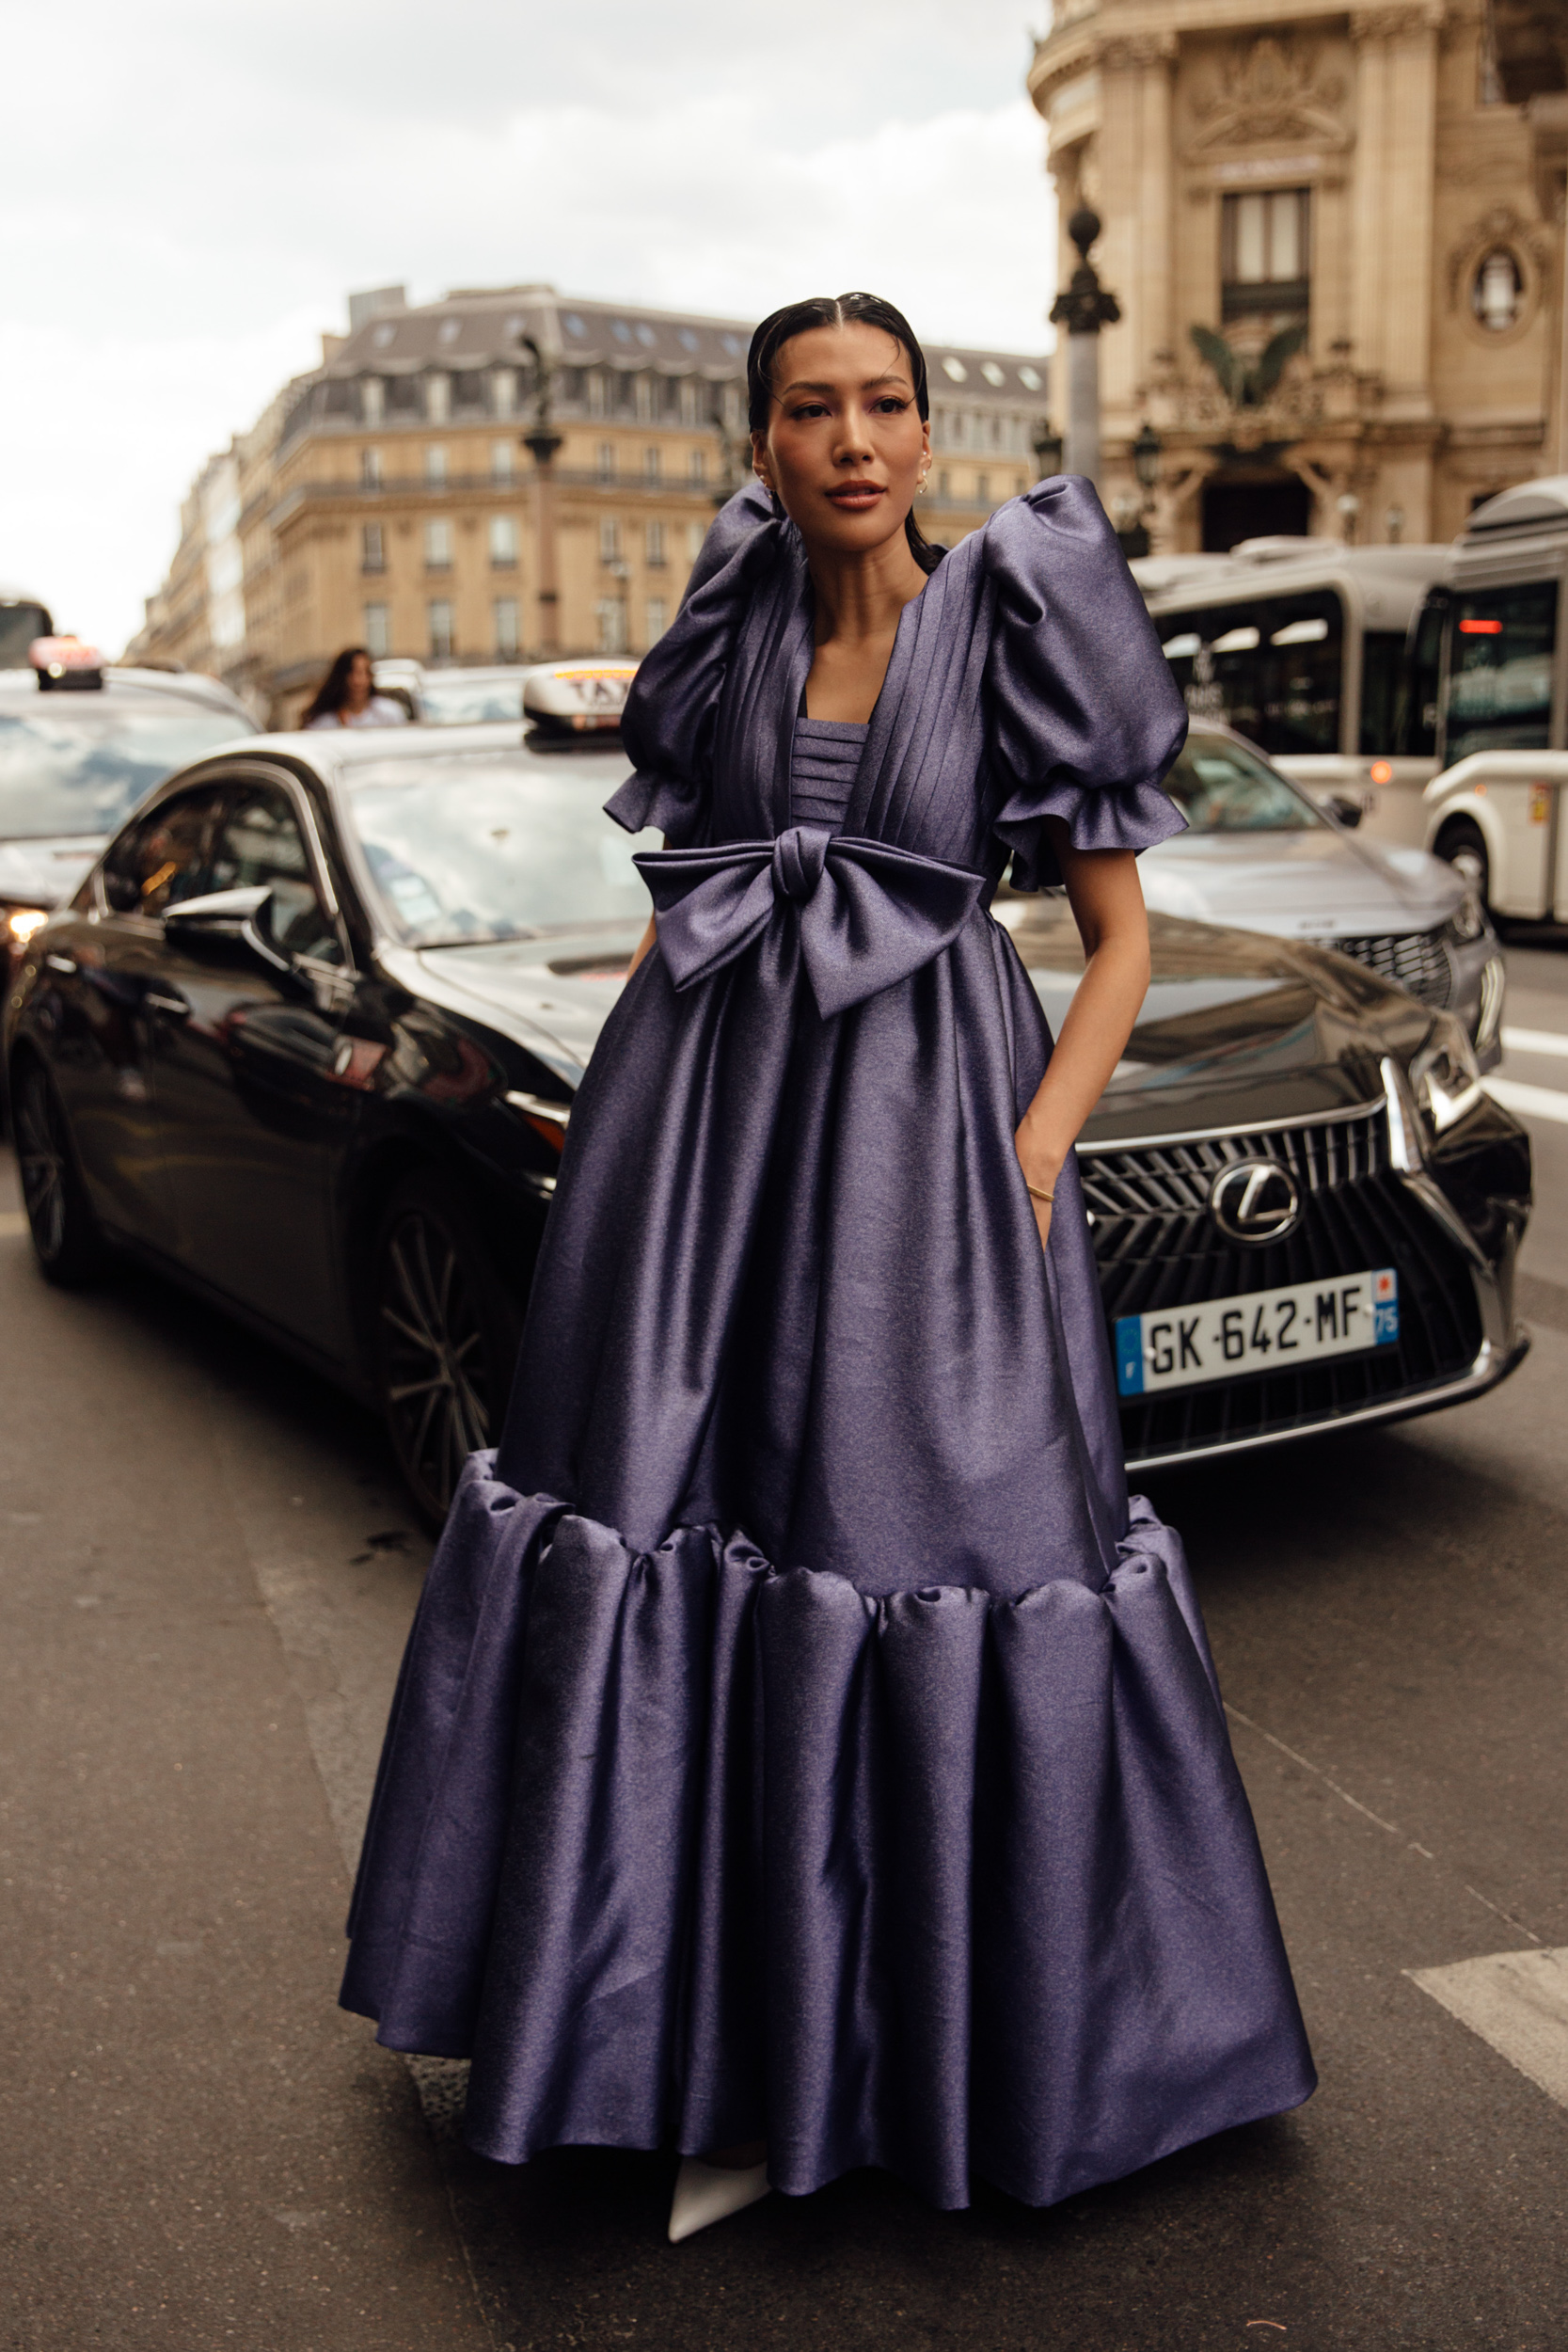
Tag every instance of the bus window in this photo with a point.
(1382, 679)
(1270, 668)
(1416, 736)
(1500, 670)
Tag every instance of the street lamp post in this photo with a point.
(542, 442)
(1048, 450)
(1083, 309)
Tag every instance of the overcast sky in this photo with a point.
(188, 192)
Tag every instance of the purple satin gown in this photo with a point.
(802, 1735)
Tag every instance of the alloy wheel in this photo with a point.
(435, 1368)
(41, 1153)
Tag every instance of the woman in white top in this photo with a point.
(347, 697)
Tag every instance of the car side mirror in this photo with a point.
(228, 917)
(1348, 812)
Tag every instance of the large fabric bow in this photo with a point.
(869, 914)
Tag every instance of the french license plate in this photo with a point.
(1225, 1337)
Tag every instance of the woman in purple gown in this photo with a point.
(803, 1739)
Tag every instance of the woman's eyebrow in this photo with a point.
(892, 375)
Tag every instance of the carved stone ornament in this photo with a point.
(1401, 23)
(1273, 92)
(1532, 246)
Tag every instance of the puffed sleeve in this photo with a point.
(1083, 718)
(673, 708)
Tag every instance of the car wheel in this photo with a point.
(1463, 845)
(67, 1238)
(446, 1338)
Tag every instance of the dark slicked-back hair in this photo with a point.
(846, 309)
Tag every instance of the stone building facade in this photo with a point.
(390, 498)
(1364, 205)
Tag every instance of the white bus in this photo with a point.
(1491, 677)
(1305, 647)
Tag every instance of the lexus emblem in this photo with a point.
(1255, 1200)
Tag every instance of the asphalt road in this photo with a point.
(208, 1573)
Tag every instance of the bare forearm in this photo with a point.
(1094, 1034)
(642, 947)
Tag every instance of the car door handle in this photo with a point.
(61, 963)
(175, 1007)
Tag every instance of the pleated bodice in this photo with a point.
(825, 760)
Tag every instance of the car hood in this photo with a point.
(45, 873)
(1314, 884)
(1235, 1028)
(554, 995)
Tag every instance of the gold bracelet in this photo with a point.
(1035, 1193)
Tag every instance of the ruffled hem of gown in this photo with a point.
(685, 1850)
(1098, 817)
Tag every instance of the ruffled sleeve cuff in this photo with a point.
(1098, 817)
(1083, 718)
(671, 804)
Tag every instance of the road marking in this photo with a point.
(1534, 1041)
(1516, 2001)
(1530, 1101)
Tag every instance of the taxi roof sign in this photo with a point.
(66, 663)
(579, 697)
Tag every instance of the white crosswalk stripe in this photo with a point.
(1518, 2003)
(1530, 1101)
(1534, 1041)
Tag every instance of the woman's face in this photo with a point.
(844, 450)
(359, 681)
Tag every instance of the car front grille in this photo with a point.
(1417, 961)
(1159, 1248)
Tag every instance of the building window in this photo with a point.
(609, 539)
(607, 461)
(695, 534)
(503, 391)
(944, 485)
(437, 547)
(643, 396)
(502, 466)
(651, 465)
(690, 400)
(505, 611)
(1498, 290)
(437, 398)
(438, 613)
(373, 400)
(696, 466)
(659, 619)
(656, 556)
(982, 488)
(369, 468)
(596, 392)
(378, 636)
(372, 550)
(610, 615)
(435, 467)
(503, 543)
(1263, 253)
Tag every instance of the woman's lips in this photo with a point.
(856, 495)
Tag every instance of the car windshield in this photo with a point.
(460, 702)
(495, 845)
(79, 763)
(1220, 786)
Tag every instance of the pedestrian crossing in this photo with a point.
(1517, 2002)
(1519, 1095)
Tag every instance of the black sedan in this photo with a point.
(307, 1037)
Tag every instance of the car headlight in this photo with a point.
(1467, 921)
(1444, 1075)
(22, 922)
